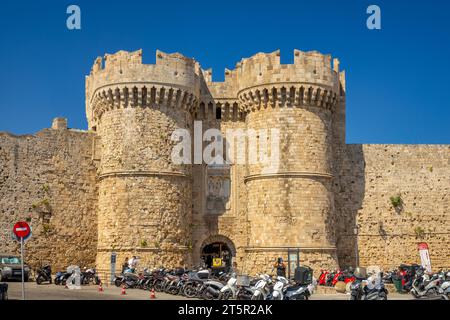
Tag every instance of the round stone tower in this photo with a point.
(290, 199)
(144, 198)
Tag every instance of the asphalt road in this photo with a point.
(54, 292)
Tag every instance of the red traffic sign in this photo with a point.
(21, 229)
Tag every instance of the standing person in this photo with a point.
(125, 265)
(281, 267)
(132, 263)
(234, 268)
(208, 261)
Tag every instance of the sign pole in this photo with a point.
(23, 271)
(22, 231)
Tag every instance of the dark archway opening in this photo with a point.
(217, 256)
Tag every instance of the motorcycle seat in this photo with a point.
(294, 288)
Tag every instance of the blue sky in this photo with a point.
(397, 78)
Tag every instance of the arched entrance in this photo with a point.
(217, 253)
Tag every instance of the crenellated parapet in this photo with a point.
(121, 80)
(310, 81)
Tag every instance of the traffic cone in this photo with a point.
(152, 294)
(124, 292)
(100, 287)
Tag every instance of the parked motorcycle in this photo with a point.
(230, 290)
(194, 284)
(61, 278)
(278, 289)
(297, 292)
(44, 274)
(127, 279)
(262, 288)
(90, 276)
(425, 285)
(324, 274)
(370, 289)
(445, 286)
(210, 290)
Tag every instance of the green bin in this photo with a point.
(398, 284)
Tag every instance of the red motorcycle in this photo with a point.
(336, 277)
(323, 277)
(345, 276)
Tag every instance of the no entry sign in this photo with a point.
(21, 229)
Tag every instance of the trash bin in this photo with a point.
(3, 291)
(398, 284)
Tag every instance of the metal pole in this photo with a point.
(356, 251)
(23, 276)
(289, 263)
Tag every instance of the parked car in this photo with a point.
(10, 268)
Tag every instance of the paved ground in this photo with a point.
(54, 292)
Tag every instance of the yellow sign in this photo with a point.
(217, 262)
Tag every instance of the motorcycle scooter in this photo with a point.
(230, 290)
(278, 289)
(370, 289)
(425, 286)
(44, 274)
(262, 288)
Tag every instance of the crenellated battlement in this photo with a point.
(121, 80)
(309, 68)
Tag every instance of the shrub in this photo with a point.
(396, 201)
(47, 228)
(419, 232)
(143, 243)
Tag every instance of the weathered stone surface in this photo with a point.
(49, 179)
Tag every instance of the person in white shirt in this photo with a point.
(132, 263)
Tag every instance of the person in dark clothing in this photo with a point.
(281, 267)
(125, 265)
(208, 261)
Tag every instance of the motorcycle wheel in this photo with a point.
(39, 280)
(432, 293)
(382, 296)
(257, 297)
(207, 296)
(190, 291)
(226, 295)
(415, 295)
(117, 282)
(159, 286)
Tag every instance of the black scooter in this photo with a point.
(44, 274)
(127, 279)
(90, 276)
(61, 278)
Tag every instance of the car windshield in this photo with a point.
(10, 260)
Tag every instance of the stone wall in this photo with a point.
(388, 235)
(49, 179)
